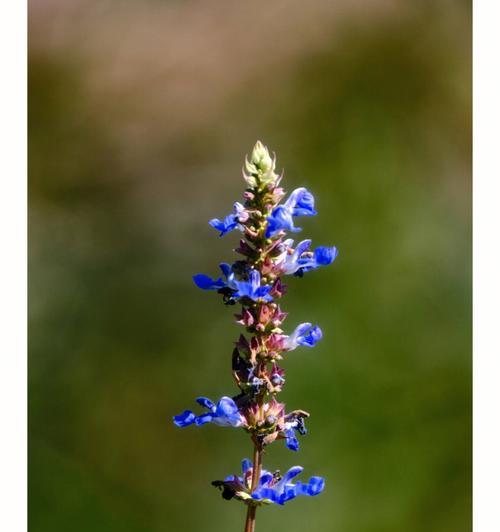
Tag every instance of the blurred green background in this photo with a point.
(140, 116)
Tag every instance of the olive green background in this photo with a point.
(140, 114)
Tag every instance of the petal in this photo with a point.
(325, 255)
(234, 420)
(291, 440)
(227, 414)
(265, 478)
(216, 224)
(204, 419)
(294, 196)
(226, 407)
(225, 269)
(246, 464)
(243, 289)
(303, 246)
(291, 473)
(206, 283)
(185, 419)
(314, 335)
(263, 293)
(302, 489)
(289, 492)
(280, 219)
(301, 203)
(229, 223)
(254, 279)
(301, 329)
(296, 338)
(265, 493)
(204, 401)
(316, 485)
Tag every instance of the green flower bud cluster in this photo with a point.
(259, 171)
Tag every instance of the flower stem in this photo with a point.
(257, 468)
(250, 521)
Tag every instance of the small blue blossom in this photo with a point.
(322, 256)
(300, 203)
(302, 260)
(225, 414)
(231, 221)
(207, 283)
(251, 288)
(289, 262)
(295, 423)
(280, 220)
(272, 487)
(304, 334)
(291, 440)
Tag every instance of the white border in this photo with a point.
(13, 239)
(13, 226)
(486, 204)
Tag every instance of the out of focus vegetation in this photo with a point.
(140, 115)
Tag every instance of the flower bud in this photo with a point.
(250, 179)
(261, 158)
(259, 170)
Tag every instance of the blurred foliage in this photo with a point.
(375, 120)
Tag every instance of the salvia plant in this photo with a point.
(255, 283)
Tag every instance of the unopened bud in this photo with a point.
(260, 168)
(260, 158)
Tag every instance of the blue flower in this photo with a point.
(272, 487)
(292, 441)
(294, 422)
(225, 414)
(300, 203)
(301, 259)
(251, 288)
(280, 220)
(322, 256)
(288, 261)
(207, 283)
(231, 221)
(304, 334)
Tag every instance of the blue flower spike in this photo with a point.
(255, 281)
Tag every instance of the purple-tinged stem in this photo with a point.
(257, 468)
